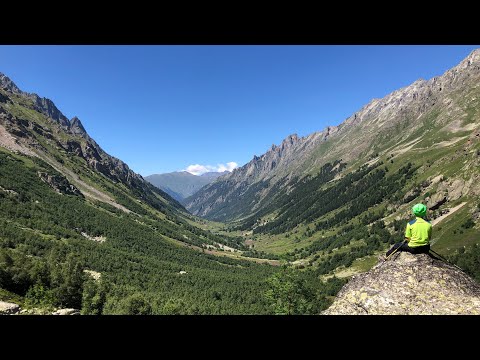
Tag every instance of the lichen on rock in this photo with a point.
(407, 285)
(7, 308)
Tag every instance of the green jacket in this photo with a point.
(419, 231)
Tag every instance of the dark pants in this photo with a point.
(413, 250)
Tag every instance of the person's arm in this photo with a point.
(408, 233)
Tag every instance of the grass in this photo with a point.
(448, 235)
(358, 266)
(7, 296)
(365, 263)
(232, 255)
(279, 244)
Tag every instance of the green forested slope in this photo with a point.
(42, 246)
(79, 229)
(349, 194)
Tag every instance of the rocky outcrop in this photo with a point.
(9, 85)
(409, 284)
(8, 191)
(66, 312)
(47, 107)
(7, 308)
(76, 127)
(42, 105)
(74, 147)
(436, 200)
(4, 99)
(449, 191)
(59, 184)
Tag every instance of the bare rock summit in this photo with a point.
(409, 285)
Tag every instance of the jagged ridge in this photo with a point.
(77, 142)
(379, 124)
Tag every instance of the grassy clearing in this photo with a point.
(8, 296)
(220, 253)
(279, 244)
(448, 235)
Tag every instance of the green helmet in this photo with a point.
(419, 210)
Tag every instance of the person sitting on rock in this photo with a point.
(417, 234)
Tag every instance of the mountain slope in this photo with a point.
(34, 126)
(213, 174)
(421, 114)
(333, 199)
(181, 184)
(79, 229)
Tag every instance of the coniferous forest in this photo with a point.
(45, 257)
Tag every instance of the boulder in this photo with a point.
(7, 308)
(456, 189)
(436, 200)
(409, 284)
(66, 312)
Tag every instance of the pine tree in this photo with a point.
(288, 294)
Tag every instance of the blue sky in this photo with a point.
(164, 108)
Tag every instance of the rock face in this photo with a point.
(60, 184)
(76, 127)
(8, 84)
(409, 285)
(7, 308)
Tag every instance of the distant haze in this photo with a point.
(182, 184)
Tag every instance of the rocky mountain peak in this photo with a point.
(291, 139)
(76, 127)
(409, 284)
(420, 96)
(7, 84)
(48, 108)
(40, 104)
(18, 132)
(472, 58)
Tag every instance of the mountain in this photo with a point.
(400, 121)
(409, 285)
(182, 184)
(80, 230)
(34, 126)
(213, 174)
(332, 199)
